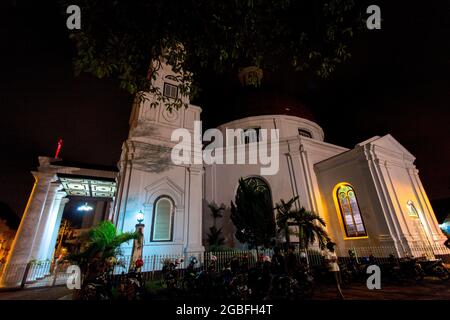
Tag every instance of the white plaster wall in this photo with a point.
(385, 179)
(144, 188)
(287, 125)
(351, 167)
(296, 176)
(403, 184)
(147, 171)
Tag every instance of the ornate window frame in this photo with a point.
(341, 216)
(172, 217)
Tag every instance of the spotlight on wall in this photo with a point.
(140, 217)
(85, 207)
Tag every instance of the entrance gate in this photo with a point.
(30, 260)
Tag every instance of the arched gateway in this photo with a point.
(56, 183)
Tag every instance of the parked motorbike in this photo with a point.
(170, 273)
(98, 289)
(354, 270)
(132, 286)
(305, 282)
(410, 268)
(435, 268)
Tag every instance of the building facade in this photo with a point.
(370, 195)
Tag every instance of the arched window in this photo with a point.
(170, 90)
(351, 216)
(260, 186)
(162, 224)
(412, 211)
(418, 224)
(304, 133)
(171, 77)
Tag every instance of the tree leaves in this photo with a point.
(310, 226)
(119, 39)
(103, 241)
(252, 215)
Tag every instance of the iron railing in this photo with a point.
(45, 273)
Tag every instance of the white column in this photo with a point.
(194, 216)
(51, 247)
(44, 221)
(50, 228)
(21, 248)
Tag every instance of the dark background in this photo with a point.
(397, 82)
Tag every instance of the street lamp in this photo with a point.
(140, 217)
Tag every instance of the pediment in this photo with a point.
(389, 143)
(164, 186)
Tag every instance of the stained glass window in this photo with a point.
(351, 216)
(162, 219)
(412, 210)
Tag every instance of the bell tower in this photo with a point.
(169, 195)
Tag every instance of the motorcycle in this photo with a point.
(305, 282)
(170, 273)
(410, 268)
(132, 286)
(190, 276)
(99, 289)
(435, 268)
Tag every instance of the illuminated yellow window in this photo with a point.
(412, 210)
(350, 213)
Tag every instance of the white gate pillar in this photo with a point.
(44, 222)
(51, 247)
(47, 243)
(21, 248)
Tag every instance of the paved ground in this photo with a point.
(52, 293)
(428, 290)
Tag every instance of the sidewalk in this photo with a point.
(426, 290)
(51, 293)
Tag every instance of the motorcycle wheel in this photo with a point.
(441, 272)
(418, 274)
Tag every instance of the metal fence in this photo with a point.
(380, 254)
(33, 274)
(153, 264)
(44, 273)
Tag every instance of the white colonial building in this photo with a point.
(370, 195)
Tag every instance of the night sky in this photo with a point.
(396, 82)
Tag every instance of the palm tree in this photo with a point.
(283, 220)
(102, 245)
(310, 226)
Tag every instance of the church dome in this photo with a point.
(258, 102)
(269, 109)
